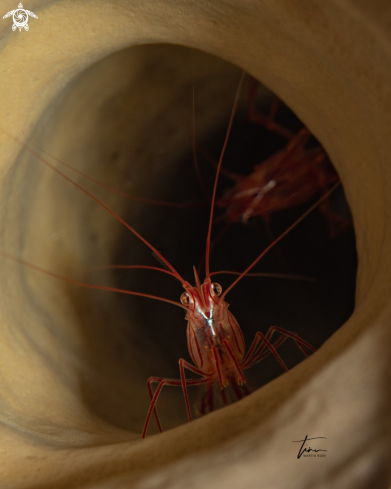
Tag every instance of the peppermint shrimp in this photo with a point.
(288, 178)
(214, 337)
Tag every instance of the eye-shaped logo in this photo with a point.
(20, 17)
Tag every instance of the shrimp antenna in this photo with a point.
(131, 229)
(207, 253)
(324, 196)
(162, 203)
(86, 284)
(195, 160)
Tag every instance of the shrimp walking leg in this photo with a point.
(205, 401)
(256, 352)
(266, 121)
(154, 397)
(182, 365)
(299, 341)
(340, 223)
(151, 380)
(273, 350)
(254, 349)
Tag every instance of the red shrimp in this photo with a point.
(288, 178)
(215, 340)
(214, 337)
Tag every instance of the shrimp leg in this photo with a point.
(265, 121)
(255, 354)
(154, 397)
(254, 351)
(340, 223)
(273, 350)
(183, 382)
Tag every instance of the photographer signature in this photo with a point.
(309, 449)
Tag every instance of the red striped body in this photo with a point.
(286, 179)
(214, 338)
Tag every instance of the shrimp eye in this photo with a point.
(217, 289)
(185, 299)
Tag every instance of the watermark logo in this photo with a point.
(305, 450)
(20, 17)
